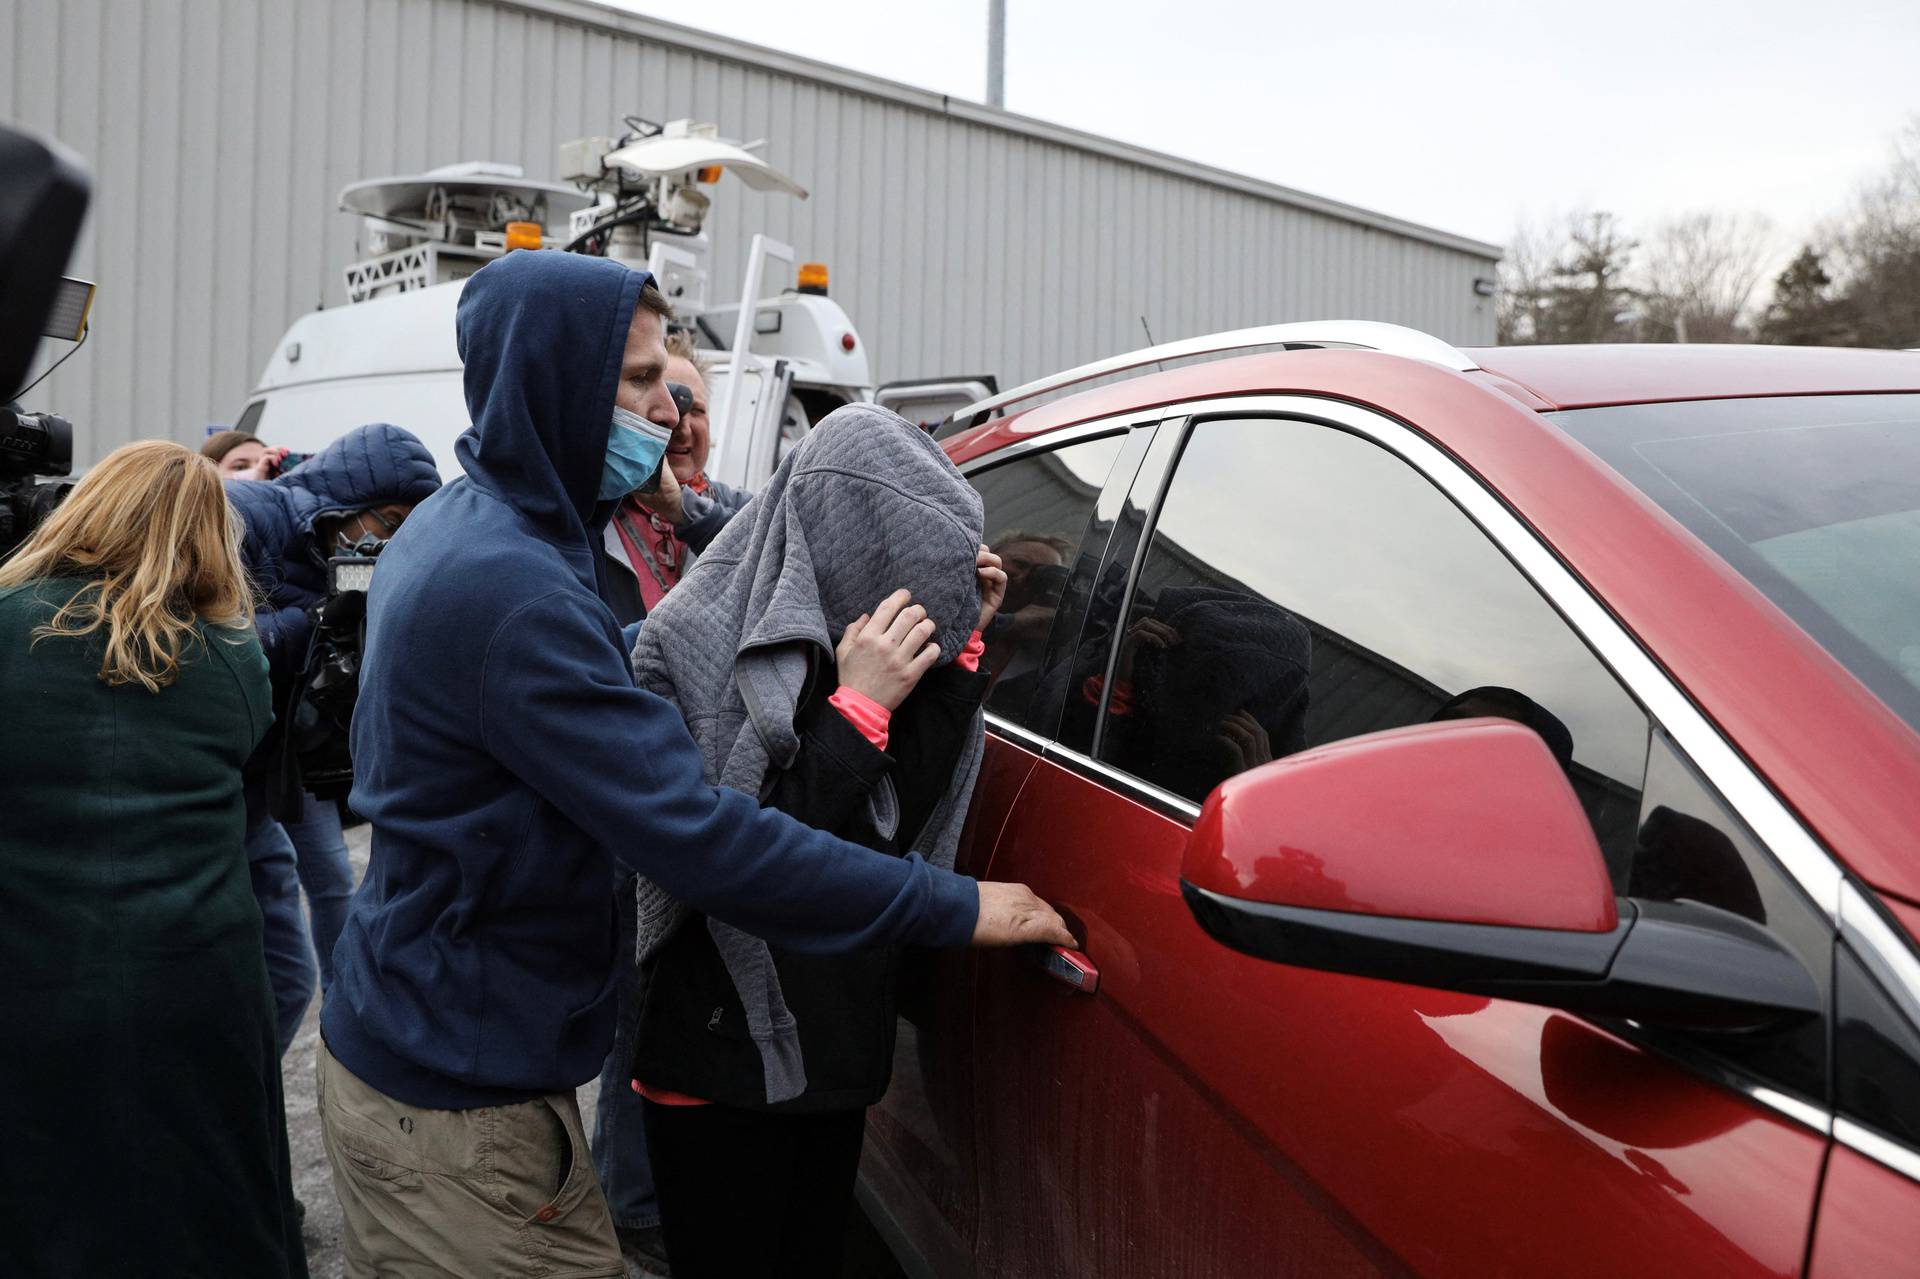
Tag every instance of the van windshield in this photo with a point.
(1813, 499)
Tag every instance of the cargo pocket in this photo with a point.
(360, 1152)
(564, 1222)
(366, 1164)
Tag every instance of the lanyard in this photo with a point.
(638, 537)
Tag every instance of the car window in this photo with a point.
(1691, 847)
(1038, 510)
(1878, 1055)
(1304, 585)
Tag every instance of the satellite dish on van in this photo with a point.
(666, 153)
(488, 195)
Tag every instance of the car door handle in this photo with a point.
(1067, 966)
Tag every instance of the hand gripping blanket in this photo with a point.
(864, 505)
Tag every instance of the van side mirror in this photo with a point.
(1456, 856)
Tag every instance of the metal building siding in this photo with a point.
(220, 133)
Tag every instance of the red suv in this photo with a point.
(1487, 787)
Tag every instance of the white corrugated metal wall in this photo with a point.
(961, 239)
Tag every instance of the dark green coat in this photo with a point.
(141, 1124)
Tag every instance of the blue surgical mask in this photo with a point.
(635, 448)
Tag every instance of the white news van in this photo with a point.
(784, 355)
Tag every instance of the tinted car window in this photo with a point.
(1690, 847)
(1038, 511)
(1303, 585)
(1879, 1056)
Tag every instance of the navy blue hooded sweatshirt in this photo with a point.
(505, 758)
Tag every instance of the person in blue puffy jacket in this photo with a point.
(365, 482)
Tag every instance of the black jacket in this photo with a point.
(693, 1032)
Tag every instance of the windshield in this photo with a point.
(1814, 499)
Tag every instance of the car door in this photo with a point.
(919, 1168)
(1297, 582)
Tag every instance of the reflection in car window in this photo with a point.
(1304, 585)
(1690, 847)
(1038, 508)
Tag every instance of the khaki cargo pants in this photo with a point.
(502, 1190)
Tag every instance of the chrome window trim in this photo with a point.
(1075, 434)
(1881, 949)
(1365, 335)
(1882, 1150)
(1014, 733)
(1176, 806)
(1818, 1118)
(1126, 783)
(1810, 1114)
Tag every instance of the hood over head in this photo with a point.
(371, 465)
(542, 335)
(866, 504)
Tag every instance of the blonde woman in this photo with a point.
(141, 1128)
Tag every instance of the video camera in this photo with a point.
(322, 708)
(31, 444)
(43, 199)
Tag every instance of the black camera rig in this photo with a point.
(321, 706)
(43, 198)
(31, 444)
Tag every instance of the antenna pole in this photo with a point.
(997, 53)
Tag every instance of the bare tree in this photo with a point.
(1698, 276)
(1525, 270)
(1878, 250)
(1563, 279)
(1588, 297)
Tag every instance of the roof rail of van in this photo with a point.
(1364, 335)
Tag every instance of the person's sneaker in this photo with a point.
(645, 1249)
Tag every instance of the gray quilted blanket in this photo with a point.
(865, 504)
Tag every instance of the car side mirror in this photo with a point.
(1456, 856)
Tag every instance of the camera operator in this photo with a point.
(362, 485)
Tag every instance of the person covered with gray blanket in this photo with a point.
(825, 652)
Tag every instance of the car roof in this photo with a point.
(1566, 377)
(1542, 378)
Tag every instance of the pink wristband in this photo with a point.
(969, 657)
(865, 714)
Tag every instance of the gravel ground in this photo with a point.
(313, 1177)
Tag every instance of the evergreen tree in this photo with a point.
(1803, 312)
(1586, 299)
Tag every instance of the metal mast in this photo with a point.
(997, 53)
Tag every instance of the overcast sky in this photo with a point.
(1460, 116)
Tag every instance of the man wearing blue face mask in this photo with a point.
(505, 759)
(635, 449)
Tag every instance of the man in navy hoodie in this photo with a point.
(505, 758)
